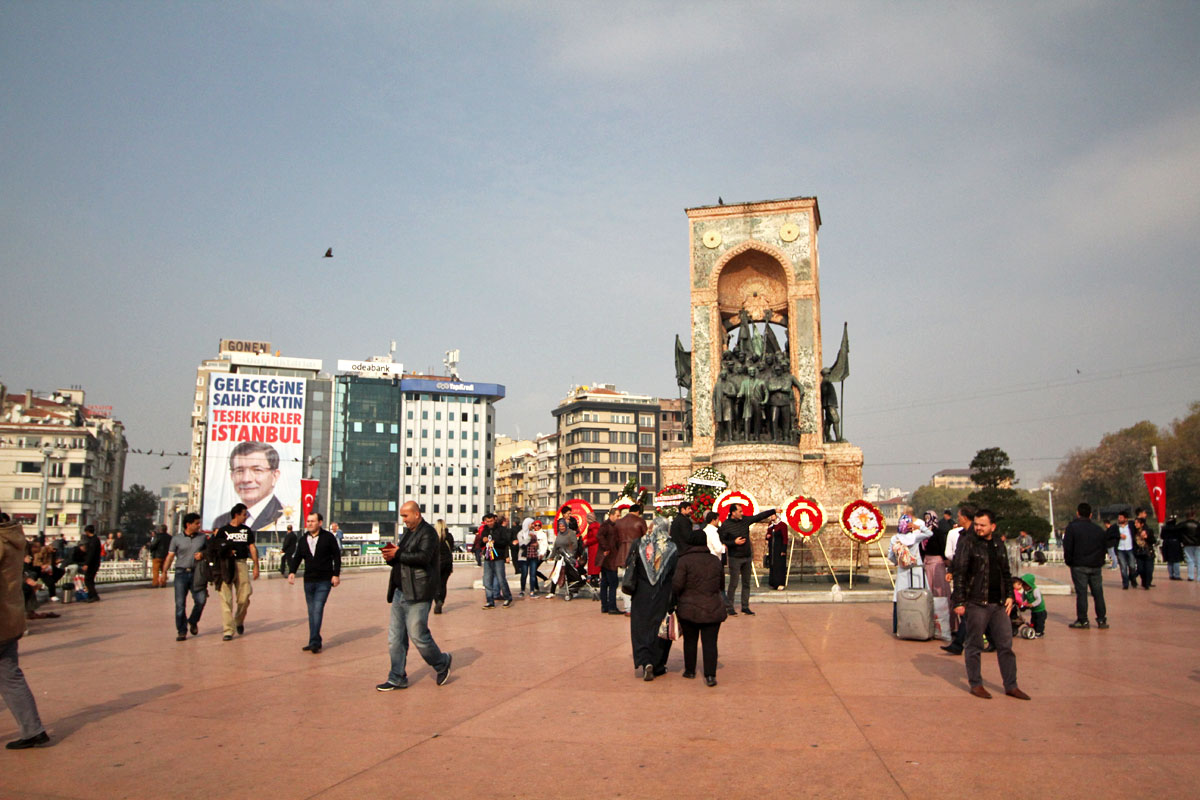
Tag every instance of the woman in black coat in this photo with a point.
(652, 563)
(699, 585)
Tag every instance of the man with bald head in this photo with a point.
(416, 576)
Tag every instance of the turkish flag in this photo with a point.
(308, 493)
(1156, 484)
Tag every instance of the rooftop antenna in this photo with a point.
(450, 361)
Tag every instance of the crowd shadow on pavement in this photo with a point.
(74, 643)
(64, 727)
(276, 626)
(1175, 606)
(948, 668)
(346, 637)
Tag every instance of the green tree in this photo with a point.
(937, 498)
(1179, 455)
(138, 509)
(990, 469)
(1111, 472)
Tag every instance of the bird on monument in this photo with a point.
(329, 253)
(720, 202)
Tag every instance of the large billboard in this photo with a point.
(254, 450)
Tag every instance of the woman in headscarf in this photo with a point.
(777, 550)
(905, 552)
(933, 551)
(566, 546)
(527, 551)
(652, 557)
(446, 565)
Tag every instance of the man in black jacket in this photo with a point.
(322, 559)
(91, 563)
(681, 526)
(735, 535)
(411, 589)
(983, 596)
(1084, 546)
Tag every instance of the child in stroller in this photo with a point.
(1027, 596)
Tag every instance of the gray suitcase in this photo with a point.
(914, 612)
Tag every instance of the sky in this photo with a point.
(1009, 195)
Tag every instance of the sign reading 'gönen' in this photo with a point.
(254, 449)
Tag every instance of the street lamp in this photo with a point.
(1049, 487)
(46, 453)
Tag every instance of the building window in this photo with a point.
(437, 509)
(645, 421)
(437, 452)
(424, 433)
(75, 470)
(357, 427)
(408, 470)
(647, 479)
(395, 428)
(464, 453)
(410, 414)
(29, 467)
(408, 488)
(394, 448)
(437, 434)
(379, 427)
(422, 489)
(438, 415)
(462, 508)
(464, 416)
(26, 493)
(409, 433)
(647, 458)
(424, 452)
(437, 489)
(424, 470)
(647, 439)
(424, 415)
(408, 452)
(449, 434)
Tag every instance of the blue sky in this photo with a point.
(1009, 194)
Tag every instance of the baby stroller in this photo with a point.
(574, 576)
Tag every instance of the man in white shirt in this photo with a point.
(966, 516)
(1125, 557)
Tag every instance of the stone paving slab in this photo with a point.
(813, 701)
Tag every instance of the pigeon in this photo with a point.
(329, 253)
(720, 202)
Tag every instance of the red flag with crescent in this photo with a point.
(308, 493)
(1156, 484)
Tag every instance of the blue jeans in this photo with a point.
(495, 583)
(1128, 563)
(411, 621)
(1173, 570)
(184, 584)
(1191, 554)
(15, 692)
(1112, 558)
(608, 590)
(315, 595)
(529, 572)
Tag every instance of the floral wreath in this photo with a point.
(706, 480)
(862, 521)
(668, 498)
(804, 515)
(732, 497)
(702, 503)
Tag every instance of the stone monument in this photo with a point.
(756, 394)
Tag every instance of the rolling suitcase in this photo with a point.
(914, 611)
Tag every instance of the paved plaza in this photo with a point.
(814, 700)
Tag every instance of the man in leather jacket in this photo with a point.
(415, 577)
(983, 596)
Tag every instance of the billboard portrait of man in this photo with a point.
(254, 472)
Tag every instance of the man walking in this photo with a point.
(322, 559)
(735, 535)
(983, 596)
(186, 551)
(1190, 538)
(160, 545)
(1122, 534)
(411, 588)
(494, 544)
(630, 528)
(13, 688)
(609, 547)
(228, 550)
(288, 549)
(91, 562)
(1084, 545)
(681, 526)
(958, 630)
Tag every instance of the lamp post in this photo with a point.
(46, 453)
(1049, 487)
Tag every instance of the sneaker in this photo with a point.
(520, 594)
(507, 603)
(444, 673)
(1102, 624)
(647, 673)
(194, 628)
(1080, 624)
(390, 687)
(40, 740)
(226, 638)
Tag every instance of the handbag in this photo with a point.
(669, 629)
(629, 581)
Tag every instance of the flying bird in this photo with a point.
(329, 253)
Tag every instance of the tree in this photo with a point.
(138, 509)
(1110, 473)
(938, 498)
(1179, 455)
(990, 469)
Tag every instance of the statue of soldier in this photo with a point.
(752, 392)
(779, 403)
(829, 408)
(724, 395)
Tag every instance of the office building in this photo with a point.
(62, 463)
